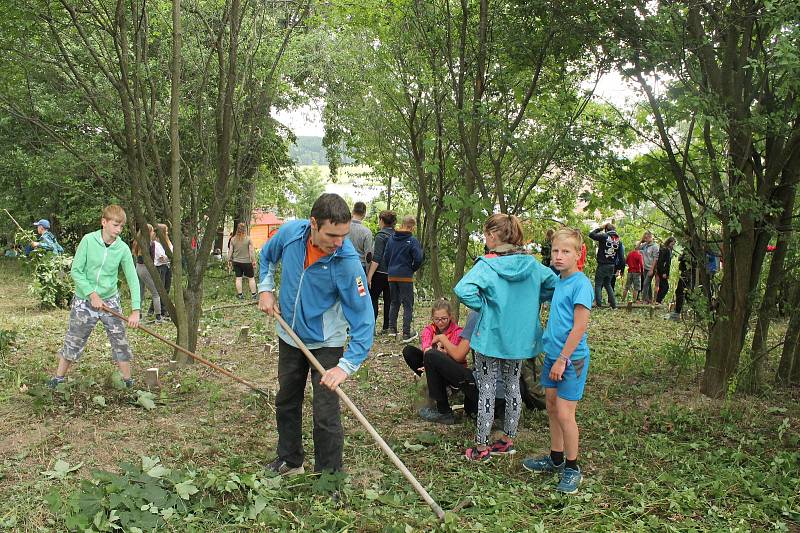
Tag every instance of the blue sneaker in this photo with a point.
(55, 381)
(570, 480)
(542, 465)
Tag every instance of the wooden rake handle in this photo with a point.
(192, 355)
(364, 422)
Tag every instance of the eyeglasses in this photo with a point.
(442, 319)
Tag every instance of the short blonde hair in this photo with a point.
(409, 221)
(114, 212)
(569, 233)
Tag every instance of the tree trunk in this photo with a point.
(728, 331)
(789, 365)
(181, 318)
(433, 251)
(753, 379)
(194, 308)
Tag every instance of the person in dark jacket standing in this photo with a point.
(609, 249)
(663, 264)
(687, 269)
(619, 267)
(378, 274)
(403, 257)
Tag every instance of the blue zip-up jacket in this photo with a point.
(507, 291)
(322, 301)
(403, 255)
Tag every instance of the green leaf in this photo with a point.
(413, 447)
(53, 500)
(426, 437)
(186, 489)
(371, 494)
(99, 400)
(61, 469)
(117, 382)
(259, 504)
(158, 471)
(145, 399)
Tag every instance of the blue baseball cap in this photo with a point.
(44, 223)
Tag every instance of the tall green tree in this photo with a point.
(731, 68)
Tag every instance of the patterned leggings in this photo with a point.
(487, 370)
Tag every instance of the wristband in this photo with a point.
(565, 359)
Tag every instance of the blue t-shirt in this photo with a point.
(575, 289)
(469, 327)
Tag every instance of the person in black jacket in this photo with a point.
(609, 248)
(619, 266)
(663, 264)
(687, 268)
(378, 274)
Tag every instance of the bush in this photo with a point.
(52, 284)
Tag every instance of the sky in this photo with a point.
(307, 120)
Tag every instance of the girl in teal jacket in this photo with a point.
(507, 288)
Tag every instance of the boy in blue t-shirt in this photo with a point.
(566, 362)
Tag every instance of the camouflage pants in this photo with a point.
(82, 320)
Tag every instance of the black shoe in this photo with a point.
(432, 415)
(240, 296)
(407, 338)
(128, 383)
(282, 468)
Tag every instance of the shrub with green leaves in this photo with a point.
(52, 284)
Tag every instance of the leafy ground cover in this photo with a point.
(189, 456)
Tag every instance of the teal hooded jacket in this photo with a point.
(508, 292)
(95, 268)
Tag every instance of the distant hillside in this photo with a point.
(308, 150)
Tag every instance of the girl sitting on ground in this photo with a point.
(443, 359)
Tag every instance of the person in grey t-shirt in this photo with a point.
(649, 250)
(360, 235)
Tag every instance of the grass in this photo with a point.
(657, 456)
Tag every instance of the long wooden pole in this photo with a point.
(193, 355)
(14, 219)
(364, 422)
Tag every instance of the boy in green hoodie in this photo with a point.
(95, 269)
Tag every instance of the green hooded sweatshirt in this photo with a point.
(95, 268)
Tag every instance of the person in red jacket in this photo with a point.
(582, 258)
(635, 264)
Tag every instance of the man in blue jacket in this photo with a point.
(323, 293)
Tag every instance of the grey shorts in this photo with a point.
(82, 320)
(634, 281)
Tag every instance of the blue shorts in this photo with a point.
(572, 382)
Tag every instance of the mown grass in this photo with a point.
(657, 456)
